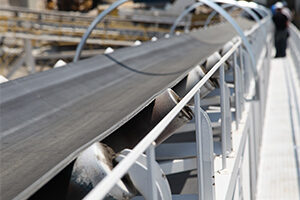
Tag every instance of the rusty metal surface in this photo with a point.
(49, 117)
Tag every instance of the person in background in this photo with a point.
(281, 30)
(273, 9)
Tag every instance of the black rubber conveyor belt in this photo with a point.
(47, 118)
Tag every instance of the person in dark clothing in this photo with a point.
(281, 31)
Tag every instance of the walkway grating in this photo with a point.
(279, 171)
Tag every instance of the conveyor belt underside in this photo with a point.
(49, 117)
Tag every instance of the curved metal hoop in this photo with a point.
(213, 13)
(232, 4)
(93, 25)
(241, 4)
(259, 8)
(222, 12)
(182, 15)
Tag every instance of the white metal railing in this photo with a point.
(120, 170)
(147, 144)
(295, 45)
(295, 34)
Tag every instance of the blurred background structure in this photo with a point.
(52, 28)
(169, 100)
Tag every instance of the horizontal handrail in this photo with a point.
(120, 170)
(185, 48)
(295, 35)
(295, 30)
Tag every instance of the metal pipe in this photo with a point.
(242, 74)
(213, 13)
(194, 76)
(128, 135)
(240, 4)
(233, 4)
(222, 12)
(259, 8)
(182, 15)
(223, 116)
(151, 170)
(120, 170)
(93, 25)
(199, 146)
(237, 90)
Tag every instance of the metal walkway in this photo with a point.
(279, 171)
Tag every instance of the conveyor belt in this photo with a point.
(49, 117)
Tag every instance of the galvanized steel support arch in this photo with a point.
(93, 25)
(228, 4)
(222, 12)
(239, 4)
(213, 13)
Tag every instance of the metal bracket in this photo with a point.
(138, 174)
(208, 157)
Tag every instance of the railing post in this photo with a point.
(151, 177)
(240, 180)
(207, 157)
(237, 91)
(253, 147)
(228, 119)
(242, 75)
(223, 116)
(199, 146)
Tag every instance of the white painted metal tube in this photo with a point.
(93, 25)
(242, 74)
(213, 13)
(222, 12)
(199, 146)
(151, 177)
(182, 15)
(227, 3)
(237, 90)
(120, 170)
(223, 116)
